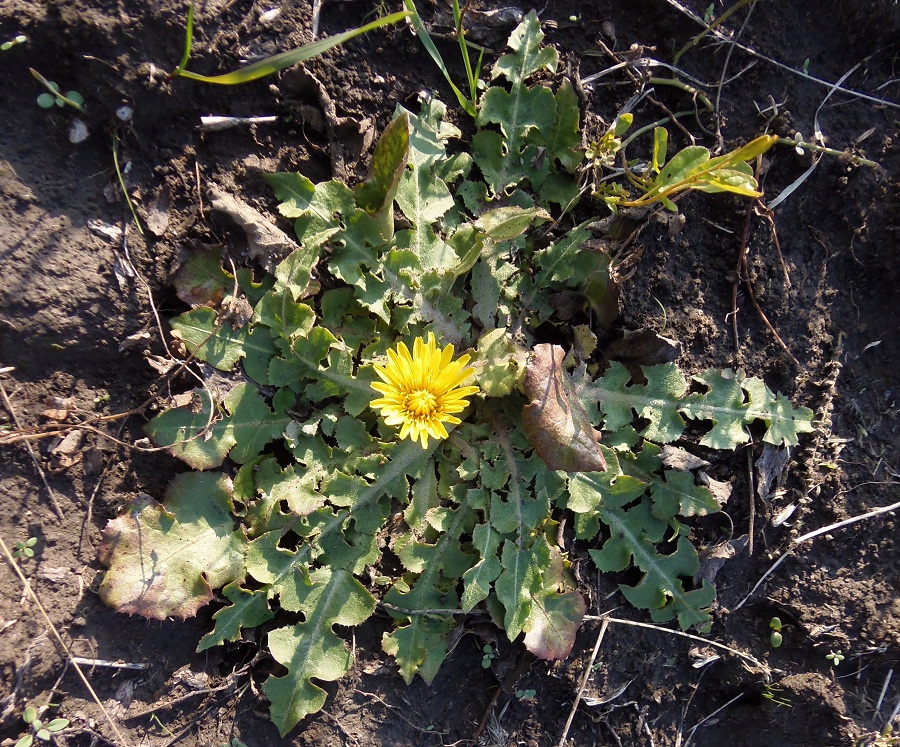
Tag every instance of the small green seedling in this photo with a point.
(805, 67)
(489, 655)
(20, 39)
(24, 550)
(54, 96)
(40, 730)
(775, 639)
(691, 168)
(525, 694)
(709, 14)
(603, 152)
(835, 657)
(235, 742)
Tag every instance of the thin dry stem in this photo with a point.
(584, 680)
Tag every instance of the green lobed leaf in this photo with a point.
(564, 144)
(203, 442)
(422, 193)
(248, 609)
(478, 579)
(311, 650)
(197, 434)
(419, 645)
(293, 272)
(528, 56)
(635, 533)
(785, 424)
(518, 583)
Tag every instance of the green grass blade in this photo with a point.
(188, 40)
(432, 50)
(284, 60)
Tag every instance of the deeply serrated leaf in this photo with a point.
(565, 140)
(424, 196)
(316, 207)
(311, 650)
(164, 561)
(679, 494)
(724, 405)
(785, 423)
(478, 579)
(635, 533)
(293, 272)
(203, 442)
(517, 584)
(252, 424)
(528, 55)
(419, 645)
(248, 609)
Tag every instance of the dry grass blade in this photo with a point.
(749, 50)
(817, 533)
(587, 673)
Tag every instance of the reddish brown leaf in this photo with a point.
(553, 623)
(555, 421)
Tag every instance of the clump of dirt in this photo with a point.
(84, 298)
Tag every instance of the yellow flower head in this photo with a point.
(422, 391)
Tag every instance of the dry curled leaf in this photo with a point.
(555, 421)
(265, 241)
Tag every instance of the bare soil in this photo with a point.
(68, 312)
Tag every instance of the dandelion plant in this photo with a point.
(336, 454)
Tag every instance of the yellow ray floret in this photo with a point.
(421, 390)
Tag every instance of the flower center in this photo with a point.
(421, 403)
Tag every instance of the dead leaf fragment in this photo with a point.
(555, 421)
(721, 490)
(55, 574)
(138, 338)
(770, 470)
(66, 452)
(711, 562)
(59, 410)
(265, 241)
(675, 458)
(236, 311)
(157, 217)
(643, 347)
(161, 365)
